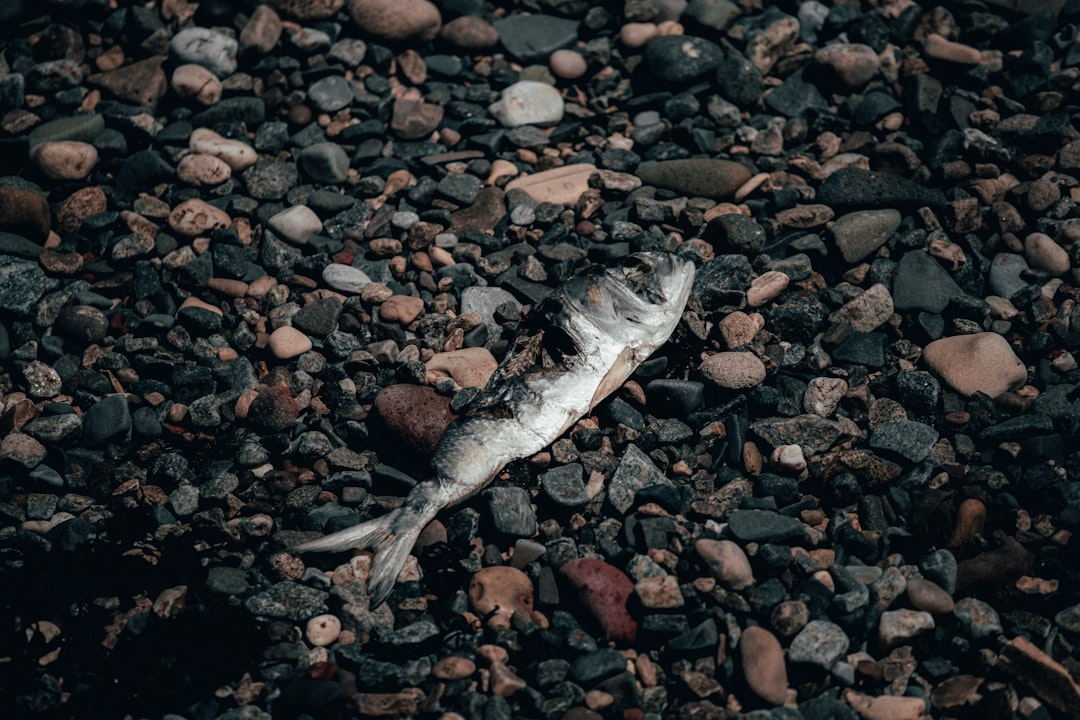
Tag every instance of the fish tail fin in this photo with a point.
(392, 536)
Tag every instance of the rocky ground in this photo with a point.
(254, 257)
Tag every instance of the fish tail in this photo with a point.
(392, 536)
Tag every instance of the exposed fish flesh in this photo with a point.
(578, 346)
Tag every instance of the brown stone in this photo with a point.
(25, 212)
(415, 413)
(929, 596)
(307, 9)
(853, 64)
(763, 665)
(413, 119)
(65, 159)
(726, 561)
(983, 362)
(470, 33)
(261, 32)
(401, 309)
(410, 20)
(142, 83)
(499, 594)
(483, 215)
(78, 206)
(955, 691)
(197, 217)
(1051, 681)
(453, 667)
(560, 186)
(1002, 566)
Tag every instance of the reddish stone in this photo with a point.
(604, 589)
(416, 413)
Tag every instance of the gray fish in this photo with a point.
(579, 345)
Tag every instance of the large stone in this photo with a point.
(697, 177)
(983, 362)
(397, 20)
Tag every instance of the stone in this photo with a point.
(469, 367)
(929, 596)
(635, 472)
(416, 21)
(568, 64)
(470, 33)
(415, 120)
(1042, 253)
(726, 561)
(401, 309)
(203, 170)
(868, 311)
(1006, 270)
(261, 32)
(763, 665)
(197, 217)
(532, 38)
(920, 283)
(1052, 682)
(659, 593)
(21, 284)
(323, 630)
(453, 667)
(856, 188)
(698, 177)
(820, 643)
(823, 395)
(107, 420)
(765, 47)
(273, 409)
(528, 102)
(983, 362)
(142, 82)
(564, 486)
(897, 627)
(499, 594)
(195, 82)
(330, 94)
(345, 278)
(560, 186)
(681, 59)
(886, 707)
(213, 50)
(853, 65)
(906, 438)
(734, 370)
(860, 233)
(765, 526)
(296, 224)
(603, 589)
(25, 211)
(308, 9)
(416, 413)
(325, 163)
(287, 342)
(65, 159)
(238, 155)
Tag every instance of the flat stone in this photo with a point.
(921, 283)
(857, 188)
(604, 589)
(635, 471)
(562, 185)
(287, 342)
(765, 526)
(697, 177)
(983, 362)
(763, 665)
(296, 224)
(142, 82)
(532, 38)
(681, 59)
(909, 439)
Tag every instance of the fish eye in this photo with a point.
(635, 269)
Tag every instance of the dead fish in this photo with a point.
(578, 346)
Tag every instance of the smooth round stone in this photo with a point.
(287, 342)
(323, 630)
(415, 120)
(296, 224)
(1006, 270)
(983, 362)
(470, 33)
(195, 82)
(734, 370)
(763, 664)
(65, 159)
(528, 103)
(853, 65)
(197, 217)
(860, 233)
(765, 287)
(345, 278)
(202, 46)
(330, 94)
(261, 32)
(27, 212)
(726, 561)
(568, 64)
(401, 309)
(412, 20)
(696, 177)
(308, 9)
(81, 323)
(1043, 253)
(238, 155)
(929, 596)
(325, 163)
(203, 170)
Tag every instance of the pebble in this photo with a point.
(560, 186)
(929, 596)
(695, 177)
(197, 217)
(983, 362)
(681, 59)
(287, 342)
(203, 170)
(734, 370)
(261, 32)
(323, 630)
(191, 81)
(501, 593)
(469, 367)
(907, 439)
(885, 707)
(345, 278)
(920, 283)
(603, 589)
(738, 328)
(858, 234)
(820, 643)
(454, 667)
(978, 620)
(528, 103)
(238, 155)
(900, 626)
(470, 33)
(65, 159)
(142, 82)
(415, 413)
(324, 162)
(727, 562)
(297, 224)
(763, 665)
(212, 50)
(867, 312)
(853, 65)
(532, 38)
(27, 211)
(823, 395)
(401, 309)
(416, 21)
(1042, 253)
(568, 64)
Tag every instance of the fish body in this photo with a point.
(579, 345)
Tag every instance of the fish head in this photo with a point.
(638, 301)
